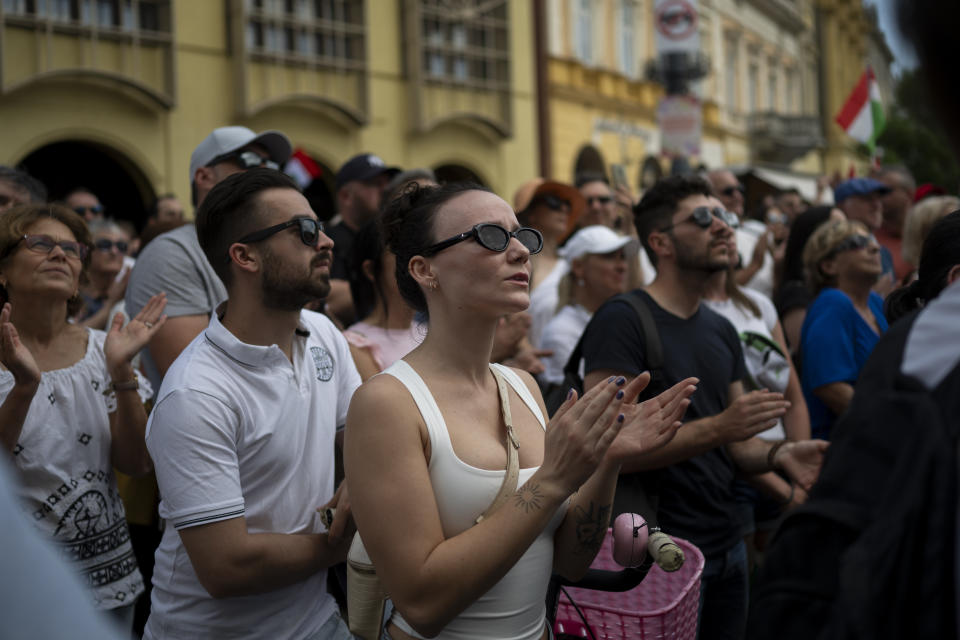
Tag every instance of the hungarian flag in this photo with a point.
(862, 115)
(302, 168)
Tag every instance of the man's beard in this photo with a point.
(688, 260)
(288, 290)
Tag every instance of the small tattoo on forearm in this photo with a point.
(591, 527)
(528, 498)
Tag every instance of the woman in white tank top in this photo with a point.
(425, 441)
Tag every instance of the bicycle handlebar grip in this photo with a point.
(629, 540)
(665, 551)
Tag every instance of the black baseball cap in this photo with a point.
(365, 166)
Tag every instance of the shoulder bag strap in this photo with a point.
(512, 475)
(653, 346)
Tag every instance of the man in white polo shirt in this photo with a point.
(242, 435)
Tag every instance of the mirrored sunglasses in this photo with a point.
(852, 243)
(703, 218)
(492, 237)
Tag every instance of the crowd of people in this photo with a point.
(181, 405)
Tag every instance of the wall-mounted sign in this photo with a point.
(677, 26)
(681, 123)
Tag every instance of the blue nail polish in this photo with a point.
(612, 378)
(619, 394)
(620, 381)
(620, 418)
(570, 393)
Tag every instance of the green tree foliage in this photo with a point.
(914, 137)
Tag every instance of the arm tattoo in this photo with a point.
(591, 527)
(528, 497)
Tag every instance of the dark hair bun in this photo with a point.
(408, 230)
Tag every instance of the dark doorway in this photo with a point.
(120, 185)
(457, 173)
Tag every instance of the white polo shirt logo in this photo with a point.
(324, 363)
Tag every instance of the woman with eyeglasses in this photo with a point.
(842, 264)
(102, 289)
(550, 208)
(419, 487)
(71, 405)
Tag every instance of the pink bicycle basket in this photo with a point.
(664, 605)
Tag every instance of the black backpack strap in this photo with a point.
(653, 347)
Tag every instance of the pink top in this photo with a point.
(385, 345)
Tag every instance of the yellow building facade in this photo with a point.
(116, 94)
(761, 99)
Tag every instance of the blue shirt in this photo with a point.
(835, 342)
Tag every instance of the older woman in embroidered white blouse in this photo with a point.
(69, 407)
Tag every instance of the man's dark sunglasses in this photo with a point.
(552, 202)
(703, 218)
(729, 191)
(245, 159)
(851, 243)
(97, 208)
(492, 237)
(310, 230)
(600, 199)
(106, 245)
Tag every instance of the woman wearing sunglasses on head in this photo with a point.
(102, 289)
(419, 487)
(842, 264)
(70, 410)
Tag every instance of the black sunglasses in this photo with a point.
(729, 191)
(310, 230)
(703, 218)
(851, 243)
(493, 237)
(552, 202)
(245, 159)
(97, 208)
(107, 245)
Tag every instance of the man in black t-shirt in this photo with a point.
(685, 234)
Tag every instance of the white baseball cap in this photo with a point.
(226, 139)
(596, 239)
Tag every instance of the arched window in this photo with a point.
(589, 161)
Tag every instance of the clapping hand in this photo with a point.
(124, 342)
(14, 355)
(654, 422)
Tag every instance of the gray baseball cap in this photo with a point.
(227, 139)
